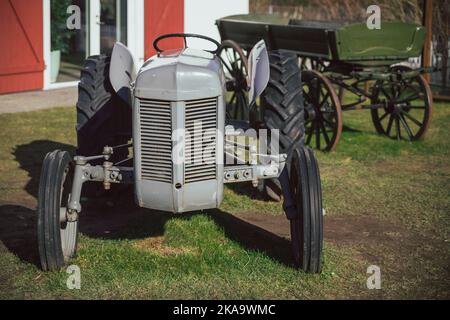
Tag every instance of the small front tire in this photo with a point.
(307, 228)
(57, 238)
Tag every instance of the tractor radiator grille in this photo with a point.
(156, 140)
(200, 146)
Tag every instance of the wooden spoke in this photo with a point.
(389, 127)
(323, 112)
(236, 71)
(417, 122)
(406, 126)
(397, 126)
(384, 116)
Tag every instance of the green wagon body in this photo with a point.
(343, 67)
(350, 43)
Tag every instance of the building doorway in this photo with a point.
(102, 23)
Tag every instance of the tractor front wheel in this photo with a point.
(307, 226)
(57, 237)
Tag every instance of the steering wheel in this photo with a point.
(185, 36)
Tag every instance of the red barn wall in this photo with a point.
(162, 17)
(21, 46)
(21, 31)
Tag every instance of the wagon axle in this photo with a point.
(310, 112)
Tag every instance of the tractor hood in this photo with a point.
(178, 75)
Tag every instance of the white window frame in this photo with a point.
(135, 36)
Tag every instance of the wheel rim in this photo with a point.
(323, 123)
(235, 66)
(407, 109)
(68, 230)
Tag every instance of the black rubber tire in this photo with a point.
(282, 101)
(57, 241)
(103, 118)
(307, 229)
(283, 108)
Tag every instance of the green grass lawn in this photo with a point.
(387, 204)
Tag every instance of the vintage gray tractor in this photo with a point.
(172, 115)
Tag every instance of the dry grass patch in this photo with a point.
(157, 245)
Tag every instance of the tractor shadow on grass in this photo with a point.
(30, 157)
(116, 216)
(18, 223)
(253, 237)
(114, 221)
(122, 219)
(18, 232)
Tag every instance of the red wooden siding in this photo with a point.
(21, 52)
(162, 17)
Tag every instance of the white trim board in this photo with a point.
(135, 30)
(47, 44)
(94, 27)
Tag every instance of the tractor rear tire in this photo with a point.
(283, 108)
(103, 118)
(57, 240)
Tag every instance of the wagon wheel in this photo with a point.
(236, 70)
(408, 107)
(323, 123)
(312, 64)
(321, 66)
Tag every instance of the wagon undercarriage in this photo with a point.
(398, 98)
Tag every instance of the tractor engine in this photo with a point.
(178, 125)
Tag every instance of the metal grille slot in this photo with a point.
(200, 146)
(156, 140)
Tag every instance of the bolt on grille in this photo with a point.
(200, 144)
(156, 140)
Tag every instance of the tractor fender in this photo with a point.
(259, 71)
(122, 72)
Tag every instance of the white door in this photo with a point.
(108, 24)
(103, 22)
(117, 20)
